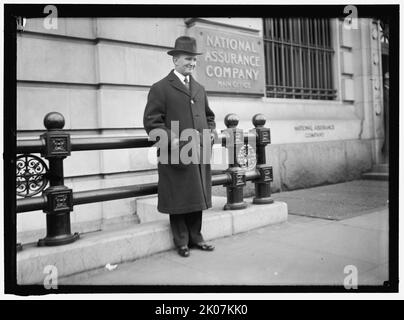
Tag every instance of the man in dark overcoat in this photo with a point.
(184, 189)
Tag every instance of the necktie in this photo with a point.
(186, 81)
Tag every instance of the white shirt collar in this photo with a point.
(180, 76)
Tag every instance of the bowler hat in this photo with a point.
(184, 44)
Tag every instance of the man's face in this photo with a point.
(185, 64)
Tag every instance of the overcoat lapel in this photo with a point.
(195, 87)
(176, 83)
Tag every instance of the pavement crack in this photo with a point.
(283, 158)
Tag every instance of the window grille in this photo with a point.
(299, 58)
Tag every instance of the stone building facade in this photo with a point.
(97, 73)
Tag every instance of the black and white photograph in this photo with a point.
(249, 149)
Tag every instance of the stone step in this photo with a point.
(379, 172)
(146, 210)
(96, 250)
(375, 176)
(381, 168)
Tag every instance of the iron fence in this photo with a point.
(58, 201)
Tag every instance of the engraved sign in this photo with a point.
(314, 130)
(230, 62)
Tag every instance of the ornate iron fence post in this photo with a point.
(59, 197)
(263, 183)
(234, 141)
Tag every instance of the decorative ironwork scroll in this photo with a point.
(246, 157)
(31, 175)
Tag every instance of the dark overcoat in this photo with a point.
(182, 188)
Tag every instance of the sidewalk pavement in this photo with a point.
(332, 232)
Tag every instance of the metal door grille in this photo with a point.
(298, 56)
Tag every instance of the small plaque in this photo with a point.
(57, 144)
(264, 136)
(59, 200)
(266, 173)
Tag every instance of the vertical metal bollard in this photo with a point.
(263, 183)
(59, 197)
(234, 141)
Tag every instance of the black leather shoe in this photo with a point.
(204, 246)
(183, 251)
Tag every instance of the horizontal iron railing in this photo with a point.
(86, 144)
(115, 193)
(103, 143)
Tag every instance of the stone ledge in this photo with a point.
(381, 176)
(95, 250)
